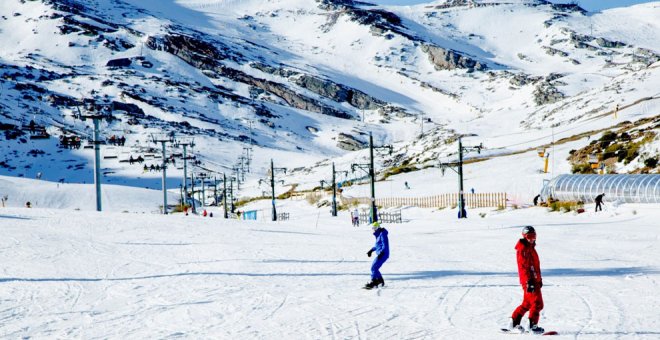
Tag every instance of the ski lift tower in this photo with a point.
(202, 197)
(163, 138)
(273, 169)
(185, 142)
(369, 169)
(96, 113)
(459, 170)
(334, 188)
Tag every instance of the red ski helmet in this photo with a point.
(529, 233)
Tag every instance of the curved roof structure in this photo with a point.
(625, 188)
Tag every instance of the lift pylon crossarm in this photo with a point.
(451, 166)
(363, 167)
(389, 147)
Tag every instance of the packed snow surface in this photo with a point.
(80, 274)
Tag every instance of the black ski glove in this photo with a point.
(530, 286)
(369, 252)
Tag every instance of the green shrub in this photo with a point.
(632, 153)
(651, 162)
(582, 168)
(608, 137)
(180, 207)
(566, 206)
(398, 170)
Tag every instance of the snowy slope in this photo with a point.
(91, 275)
(553, 72)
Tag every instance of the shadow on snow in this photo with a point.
(401, 276)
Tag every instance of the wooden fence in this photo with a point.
(383, 216)
(481, 200)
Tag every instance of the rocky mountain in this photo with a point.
(301, 81)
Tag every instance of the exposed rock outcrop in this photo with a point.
(339, 93)
(205, 56)
(646, 56)
(522, 79)
(546, 93)
(121, 62)
(350, 143)
(380, 21)
(277, 71)
(554, 51)
(602, 42)
(446, 59)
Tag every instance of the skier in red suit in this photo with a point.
(529, 271)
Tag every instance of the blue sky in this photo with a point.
(590, 5)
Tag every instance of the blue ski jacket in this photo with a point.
(382, 246)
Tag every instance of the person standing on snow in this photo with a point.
(382, 249)
(529, 271)
(599, 201)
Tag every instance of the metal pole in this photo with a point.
(272, 188)
(460, 179)
(192, 191)
(164, 180)
(97, 163)
(334, 192)
(185, 170)
(224, 193)
(215, 190)
(231, 193)
(374, 218)
(203, 192)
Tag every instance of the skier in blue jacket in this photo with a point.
(382, 249)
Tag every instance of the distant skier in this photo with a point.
(355, 218)
(529, 272)
(382, 249)
(406, 185)
(599, 201)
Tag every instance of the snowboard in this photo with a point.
(508, 331)
(367, 288)
(372, 288)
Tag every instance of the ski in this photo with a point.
(508, 331)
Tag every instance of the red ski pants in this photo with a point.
(532, 302)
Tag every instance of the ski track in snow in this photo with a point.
(146, 276)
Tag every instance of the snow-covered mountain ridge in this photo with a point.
(303, 80)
